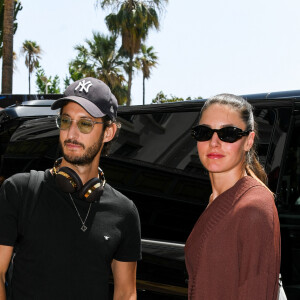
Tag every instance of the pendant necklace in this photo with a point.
(83, 227)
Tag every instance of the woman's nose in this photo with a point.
(214, 141)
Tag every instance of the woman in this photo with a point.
(233, 251)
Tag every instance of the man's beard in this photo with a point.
(89, 155)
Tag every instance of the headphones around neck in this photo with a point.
(69, 182)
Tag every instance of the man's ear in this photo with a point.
(110, 132)
(250, 141)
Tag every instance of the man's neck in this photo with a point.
(85, 172)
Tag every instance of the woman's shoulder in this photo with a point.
(253, 195)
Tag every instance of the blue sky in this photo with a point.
(204, 47)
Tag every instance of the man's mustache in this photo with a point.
(73, 142)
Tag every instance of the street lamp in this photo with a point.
(47, 84)
(45, 80)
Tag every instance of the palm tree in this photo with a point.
(8, 34)
(8, 14)
(101, 60)
(146, 62)
(32, 53)
(17, 8)
(132, 21)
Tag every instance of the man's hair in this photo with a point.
(108, 122)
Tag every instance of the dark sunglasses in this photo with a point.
(228, 134)
(84, 125)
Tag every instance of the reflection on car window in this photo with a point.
(164, 140)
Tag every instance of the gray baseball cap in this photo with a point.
(93, 95)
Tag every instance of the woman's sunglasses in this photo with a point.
(84, 125)
(228, 134)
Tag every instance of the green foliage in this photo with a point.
(163, 98)
(32, 53)
(17, 8)
(160, 98)
(74, 75)
(42, 80)
(100, 58)
(146, 60)
(195, 98)
(132, 20)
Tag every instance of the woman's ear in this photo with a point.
(250, 141)
(110, 132)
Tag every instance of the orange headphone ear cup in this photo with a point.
(68, 180)
(91, 191)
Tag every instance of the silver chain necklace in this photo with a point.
(83, 227)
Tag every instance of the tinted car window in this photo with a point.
(289, 212)
(31, 145)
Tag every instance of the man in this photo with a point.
(81, 229)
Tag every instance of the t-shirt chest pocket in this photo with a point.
(105, 238)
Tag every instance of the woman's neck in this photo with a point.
(221, 182)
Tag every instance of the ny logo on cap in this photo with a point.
(84, 86)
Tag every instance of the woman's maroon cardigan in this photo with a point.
(233, 252)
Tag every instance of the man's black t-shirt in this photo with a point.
(56, 259)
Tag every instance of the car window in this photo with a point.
(290, 186)
(33, 144)
(289, 209)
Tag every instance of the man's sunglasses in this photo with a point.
(228, 134)
(84, 125)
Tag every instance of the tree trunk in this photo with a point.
(143, 90)
(130, 67)
(29, 59)
(8, 35)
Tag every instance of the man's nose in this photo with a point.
(73, 130)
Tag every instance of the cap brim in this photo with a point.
(87, 105)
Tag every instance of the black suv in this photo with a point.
(154, 162)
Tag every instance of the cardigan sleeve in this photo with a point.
(258, 248)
